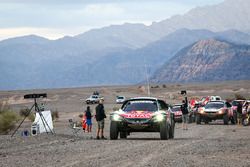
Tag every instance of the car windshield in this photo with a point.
(140, 106)
(120, 97)
(235, 103)
(214, 105)
(176, 108)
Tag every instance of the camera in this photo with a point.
(33, 96)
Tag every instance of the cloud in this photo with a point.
(103, 10)
(52, 18)
(50, 33)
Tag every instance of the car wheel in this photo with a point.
(171, 131)
(164, 130)
(198, 119)
(225, 119)
(234, 118)
(113, 130)
(123, 135)
(245, 121)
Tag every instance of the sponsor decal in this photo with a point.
(138, 114)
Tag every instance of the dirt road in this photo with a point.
(201, 145)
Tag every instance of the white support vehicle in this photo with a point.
(94, 99)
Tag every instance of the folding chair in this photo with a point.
(75, 129)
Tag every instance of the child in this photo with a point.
(84, 122)
(88, 119)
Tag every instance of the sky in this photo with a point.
(54, 19)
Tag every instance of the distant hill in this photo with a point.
(33, 62)
(117, 54)
(230, 14)
(206, 60)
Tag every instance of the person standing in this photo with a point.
(239, 113)
(100, 116)
(184, 110)
(89, 119)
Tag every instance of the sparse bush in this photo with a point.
(115, 108)
(157, 86)
(80, 116)
(8, 120)
(239, 97)
(55, 115)
(31, 117)
(24, 112)
(164, 86)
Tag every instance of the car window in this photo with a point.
(214, 105)
(140, 106)
(176, 108)
(162, 105)
(228, 105)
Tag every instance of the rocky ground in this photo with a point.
(202, 145)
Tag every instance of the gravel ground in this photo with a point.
(202, 145)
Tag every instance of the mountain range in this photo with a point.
(118, 54)
(206, 60)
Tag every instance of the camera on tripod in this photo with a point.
(43, 120)
(34, 96)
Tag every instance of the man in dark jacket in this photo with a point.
(100, 115)
(184, 110)
(239, 112)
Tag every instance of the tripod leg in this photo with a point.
(26, 115)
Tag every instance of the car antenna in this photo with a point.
(147, 77)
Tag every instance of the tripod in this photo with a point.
(37, 109)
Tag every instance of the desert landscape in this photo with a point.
(214, 144)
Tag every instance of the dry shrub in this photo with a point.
(24, 112)
(80, 115)
(164, 86)
(31, 117)
(239, 97)
(8, 119)
(116, 108)
(55, 115)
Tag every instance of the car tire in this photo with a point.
(172, 127)
(225, 119)
(234, 118)
(164, 130)
(198, 119)
(113, 130)
(123, 135)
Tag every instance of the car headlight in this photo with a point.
(201, 110)
(221, 112)
(116, 117)
(159, 117)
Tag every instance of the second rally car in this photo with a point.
(142, 114)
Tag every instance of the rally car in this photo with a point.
(142, 114)
(176, 109)
(214, 110)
